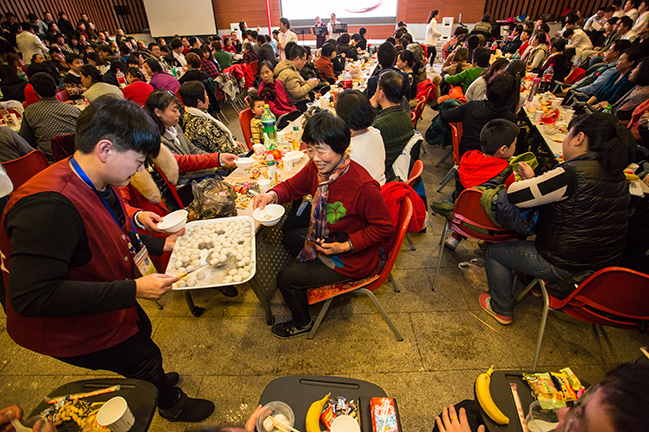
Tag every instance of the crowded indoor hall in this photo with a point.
(176, 254)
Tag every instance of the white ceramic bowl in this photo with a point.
(174, 222)
(274, 211)
(297, 155)
(245, 163)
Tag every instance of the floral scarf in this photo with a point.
(318, 226)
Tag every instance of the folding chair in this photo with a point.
(244, 120)
(470, 220)
(20, 170)
(369, 284)
(456, 132)
(613, 296)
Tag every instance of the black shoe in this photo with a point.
(173, 378)
(187, 409)
(229, 291)
(290, 329)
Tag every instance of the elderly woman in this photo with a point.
(91, 79)
(273, 91)
(583, 205)
(349, 220)
(158, 78)
(201, 128)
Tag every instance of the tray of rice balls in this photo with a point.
(215, 252)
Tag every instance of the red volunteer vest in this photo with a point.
(111, 261)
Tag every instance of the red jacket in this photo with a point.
(111, 261)
(355, 206)
(31, 97)
(394, 193)
(282, 103)
(477, 168)
(138, 92)
(325, 67)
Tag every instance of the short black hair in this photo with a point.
(529, 31)
(634, 54)
(460, 31)
(122, 122)
(261, 39)
(323, 127)
(496, 134)
(393, 86)
(160, 99)
(357, 37)
(541, 37)
(327, 49)
(31, 16)
(559, 44)
(286, 22)
(501, 91)
(296, 51)
(103, 48)
(481, 56)
(176, 43)
(621, 45)
(626, 22)
(288, 47)
(92, 72)
(344, 39)
(544, 27)
(613, 20)
(518, 28)
(355, 109)
(567, 33)
(362, 31)
(191, 92)
(642, 76)
(26, 26)
(135, 72)
(386, 54)
(154, 65)
(407, 56)
(71, 57)
(43, 84)
(191, 40)
(124, 49)
(133, 59)
(623, 392)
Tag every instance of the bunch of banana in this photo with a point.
(484, 398)
(313, 414)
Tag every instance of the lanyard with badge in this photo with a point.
(141, 259)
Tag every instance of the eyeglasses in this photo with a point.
(574, 417)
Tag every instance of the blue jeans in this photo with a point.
(521, 256)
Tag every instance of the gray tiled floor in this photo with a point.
(228, 355)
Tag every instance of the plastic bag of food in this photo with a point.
(544, 390)
(475, 273)
(212, 199)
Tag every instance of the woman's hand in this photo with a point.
(451, 423)
(525, 171)
(170, 241)
(228, 158)
(333, 248)
(261, 200)
(252, 421)
(15, 412)
(242, 145)
(601, 105)
(150, 221)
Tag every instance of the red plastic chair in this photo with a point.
(244, 120)
(369, 284)
(254, 65)
(613, 296)
(62, 96)
(417, 170)
(22, 169)
(416, 113)
(470, 220)
(62, 146)
(456, 134)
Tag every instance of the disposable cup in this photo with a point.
(115, 415)
(259, 148)
(264, 185)
(288, 163)
(537, 115)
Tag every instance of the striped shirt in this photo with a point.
(553, 186)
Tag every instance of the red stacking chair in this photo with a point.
(417, 170)
(244, 119)
(614, 296)
(456, 133)
(369, 284)
(22, 169)
(62, 96)
(470, 220)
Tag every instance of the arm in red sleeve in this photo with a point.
(298, 186)
(371, 206)
(189, 163)
(125, 192)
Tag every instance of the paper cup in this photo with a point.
(264, 185)
(288, 163)
(259, 148)
(567, 115)
(537, 115)
(345, 423)
(115, 415)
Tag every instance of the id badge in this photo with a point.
(143, 262)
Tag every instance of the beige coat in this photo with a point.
(296, 87)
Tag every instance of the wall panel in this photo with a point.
(502, 9)
(100, 12)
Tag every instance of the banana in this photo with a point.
(485, 400)
(313, 414)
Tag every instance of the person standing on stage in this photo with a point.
(284, 37)
(320, 39)
(332, 25)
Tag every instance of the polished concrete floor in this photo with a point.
(228, 354)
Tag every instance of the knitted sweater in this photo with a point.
(396, 129)
(356, 207)
(207, 135)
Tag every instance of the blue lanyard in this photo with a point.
(82, 174)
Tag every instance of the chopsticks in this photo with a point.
(519, 406)
(281, 426)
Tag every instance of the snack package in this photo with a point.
(212, 199)
(574, 382)
(336, 407)
(384, 414)
(544, 390)
(563, 384)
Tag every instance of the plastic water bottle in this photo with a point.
(548, 75)
(535, 87)
(269, 127)
(347, 80)
(608, 109)
(296, 138)
(121, 79)
(494, 47)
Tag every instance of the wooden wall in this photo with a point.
(502, 9)
(100, 12)
(410, 11)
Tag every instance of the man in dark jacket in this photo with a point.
(387, 55)
(65, 26)
(350, 52)
(515, 43)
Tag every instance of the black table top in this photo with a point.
(141, 396)
(300, 391)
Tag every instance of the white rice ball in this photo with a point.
(181, 283)
(232, 272)
(200, 275)
(237, 278)
(227, 279)
(223, 258)
(191, 282)
(178, 264)
(245, 274)
(196, 263)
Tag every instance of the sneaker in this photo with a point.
(173, 378)
(229, 291)
(485, 303)
(187, 409)
(290, 329)
(452, 241)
